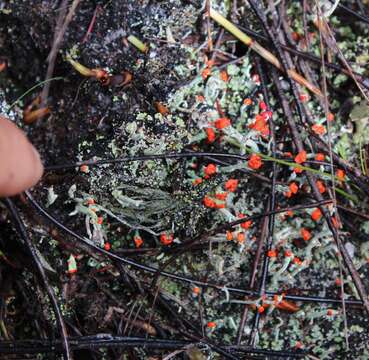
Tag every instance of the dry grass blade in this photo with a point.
(264, 53)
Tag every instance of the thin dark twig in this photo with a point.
(187, 244)
(197, 337)
(271, 206)
(325, 32)
(258, 8)
(342, 249)
(58, 37)
(361, 6)
(268, 223)
(209, 155)
(353, 173)
(143, 158)
(54, 51)
(32, 250)
(305, 55)
(326, 110)
(244, 170)
(108, 341)
(353, 13)
(352, 211)
(263, 235)
(181, 278)
(305, 20)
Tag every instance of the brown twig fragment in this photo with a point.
(207, 14)
(34, 112)
(60, 30)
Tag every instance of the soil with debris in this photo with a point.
(157, 272)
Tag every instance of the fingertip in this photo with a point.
(38, 166)
(20, 164)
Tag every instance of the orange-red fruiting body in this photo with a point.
(255, 162)
(301, 157)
